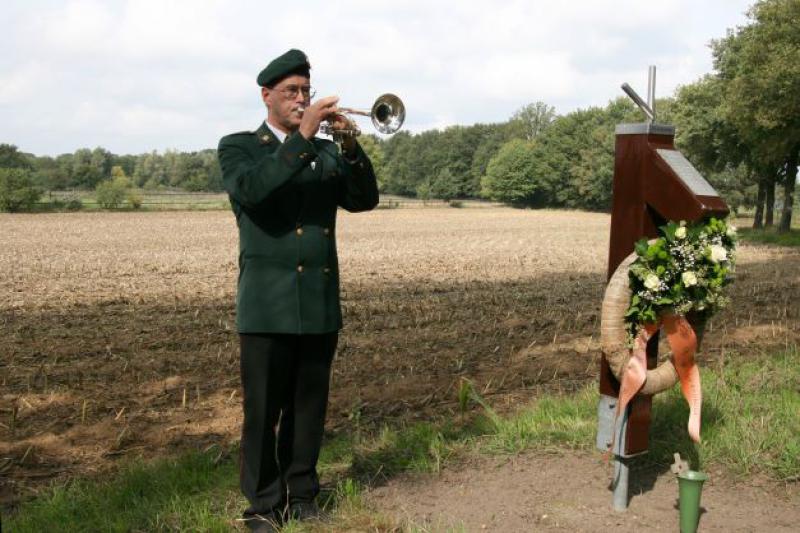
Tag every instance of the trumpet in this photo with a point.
(388, 114)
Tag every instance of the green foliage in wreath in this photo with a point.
(684, 270)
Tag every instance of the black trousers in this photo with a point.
(285, 380)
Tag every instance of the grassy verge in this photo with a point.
(771, 236)
(66, 201)
(750, 421)
(750, 425)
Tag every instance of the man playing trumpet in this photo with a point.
(285, 185)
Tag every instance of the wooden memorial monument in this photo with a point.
(653, 183)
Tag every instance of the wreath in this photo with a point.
(674, 283)
(683, 271)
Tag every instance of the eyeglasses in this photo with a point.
(291, 91)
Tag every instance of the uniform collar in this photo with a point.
(266, 134)
(278, 134)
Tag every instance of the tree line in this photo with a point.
(739, 125)
(24, 177)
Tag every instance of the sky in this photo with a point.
(142, 75)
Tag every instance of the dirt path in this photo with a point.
(536, 492)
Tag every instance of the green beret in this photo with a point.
(292, 62)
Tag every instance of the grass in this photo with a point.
(750, 417)
(188, 493)
(750, 425)
(771, 236)
(150, 201)
(179, 200)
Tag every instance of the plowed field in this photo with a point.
(118, 338)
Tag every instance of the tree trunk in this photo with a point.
(770, 203)
(788, 191)
(758, 219)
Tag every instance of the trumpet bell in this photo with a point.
(388, 113)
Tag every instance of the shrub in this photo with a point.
(424, 191)
(110, 194)
(196, 183)
(134, 199)
(17, 192)
(74, 204)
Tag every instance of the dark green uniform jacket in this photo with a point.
(285, 197)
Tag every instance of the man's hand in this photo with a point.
(317, 112)
(344, 123)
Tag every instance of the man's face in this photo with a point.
(285, 101)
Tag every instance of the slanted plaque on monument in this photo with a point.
(686, 172)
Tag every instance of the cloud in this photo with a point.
(138, 75)
(79, 28)
(17, 86)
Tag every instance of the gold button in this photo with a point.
(300, 268)
(326, 270)
(299, 231)
(326, 231)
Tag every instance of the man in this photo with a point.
(285, 185)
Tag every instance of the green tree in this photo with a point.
(760, 66)
(716, 148)
(533, 119)
(47, 173)
(398, 178)
(17, 192)
(150, 171)
(196, 183)
(127, 162)
(110, 194)
(445, 186)
(510, 174)
(62, 177)
(424, 191)
(457, 149)
(574, 156)
(11, 157)
(101, 160)
(489, 139)
(85, 174)
(118, 172)
(372, 147)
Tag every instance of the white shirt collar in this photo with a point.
(281, 136)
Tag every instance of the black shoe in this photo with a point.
(303, 510)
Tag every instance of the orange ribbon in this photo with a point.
(633, 376)
(683, 342)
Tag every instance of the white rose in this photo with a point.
(680, 233)
(718, 253)
(689, 278)
(652, 282)
(731, 231)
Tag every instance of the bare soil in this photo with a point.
(117, 334)
(570, 492)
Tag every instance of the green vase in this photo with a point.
(690, 485)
